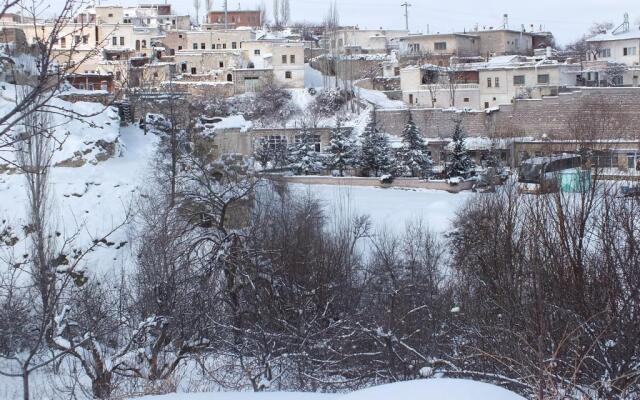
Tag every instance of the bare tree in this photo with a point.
(51, 64)
(285, 12)
(197, 4)
(276, 13)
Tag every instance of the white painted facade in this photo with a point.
(500, 86)
(437, 95)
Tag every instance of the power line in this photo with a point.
(406, 6)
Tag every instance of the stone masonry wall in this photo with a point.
(554, 117)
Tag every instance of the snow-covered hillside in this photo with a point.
(100, 168)
(433, 389)
(86, 132)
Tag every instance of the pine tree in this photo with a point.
(375, 156)
(413, 157)
(459, 162)
(343, 153)
(302, 156)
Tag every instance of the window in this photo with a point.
(518, 80)
(497, 82)
(631, 161)
(194, 71)
(440, 46)
(284, 59)
(543, 79)
(414, 47)
(224, 45)
(85, 39)
(121, 40)
(410, 99)
(203, 46)
(629, 51)
(229, 78)
(110, 15)
(195, 46)
(213, 46)
(234, 45)
(489, 82)
(486, 104)
(180, 36)
(144, 44)
(179, 47)
(277, 142)
(466, 99)
(114, 41)
(137, 45)
(604, 53)
(292, 59)
(221, 64)
(63, 42)
(287, 75)
(77, 39)
(256, 52)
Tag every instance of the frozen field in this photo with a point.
(390, 208)
(432, 389)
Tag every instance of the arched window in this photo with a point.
(229, 78)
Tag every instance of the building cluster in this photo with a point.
(482, 69)
(148, 45)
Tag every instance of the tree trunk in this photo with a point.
(25, 384)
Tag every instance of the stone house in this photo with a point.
(236, 19)
(428, 86)
(446, 45)
(503, 81)
(361, 41)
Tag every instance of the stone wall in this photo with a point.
(554, 117)
(409, 183)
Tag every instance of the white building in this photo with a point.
(620, 45)
(430, 87)
(504, 79)
(358, 41)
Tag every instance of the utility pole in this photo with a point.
(406, 6)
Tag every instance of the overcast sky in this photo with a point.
(567, 19)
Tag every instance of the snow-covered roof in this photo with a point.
(232, 122)
(633, 33)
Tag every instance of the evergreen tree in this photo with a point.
(342, 149)
(262, 153)
(459, 162)
(375, 155)
(302, 156)
(413, 157)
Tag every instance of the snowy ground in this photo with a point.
(432, 389)
(390, 209)
(89, 201)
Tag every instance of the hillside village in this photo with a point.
(230, 200)
(490, 76)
